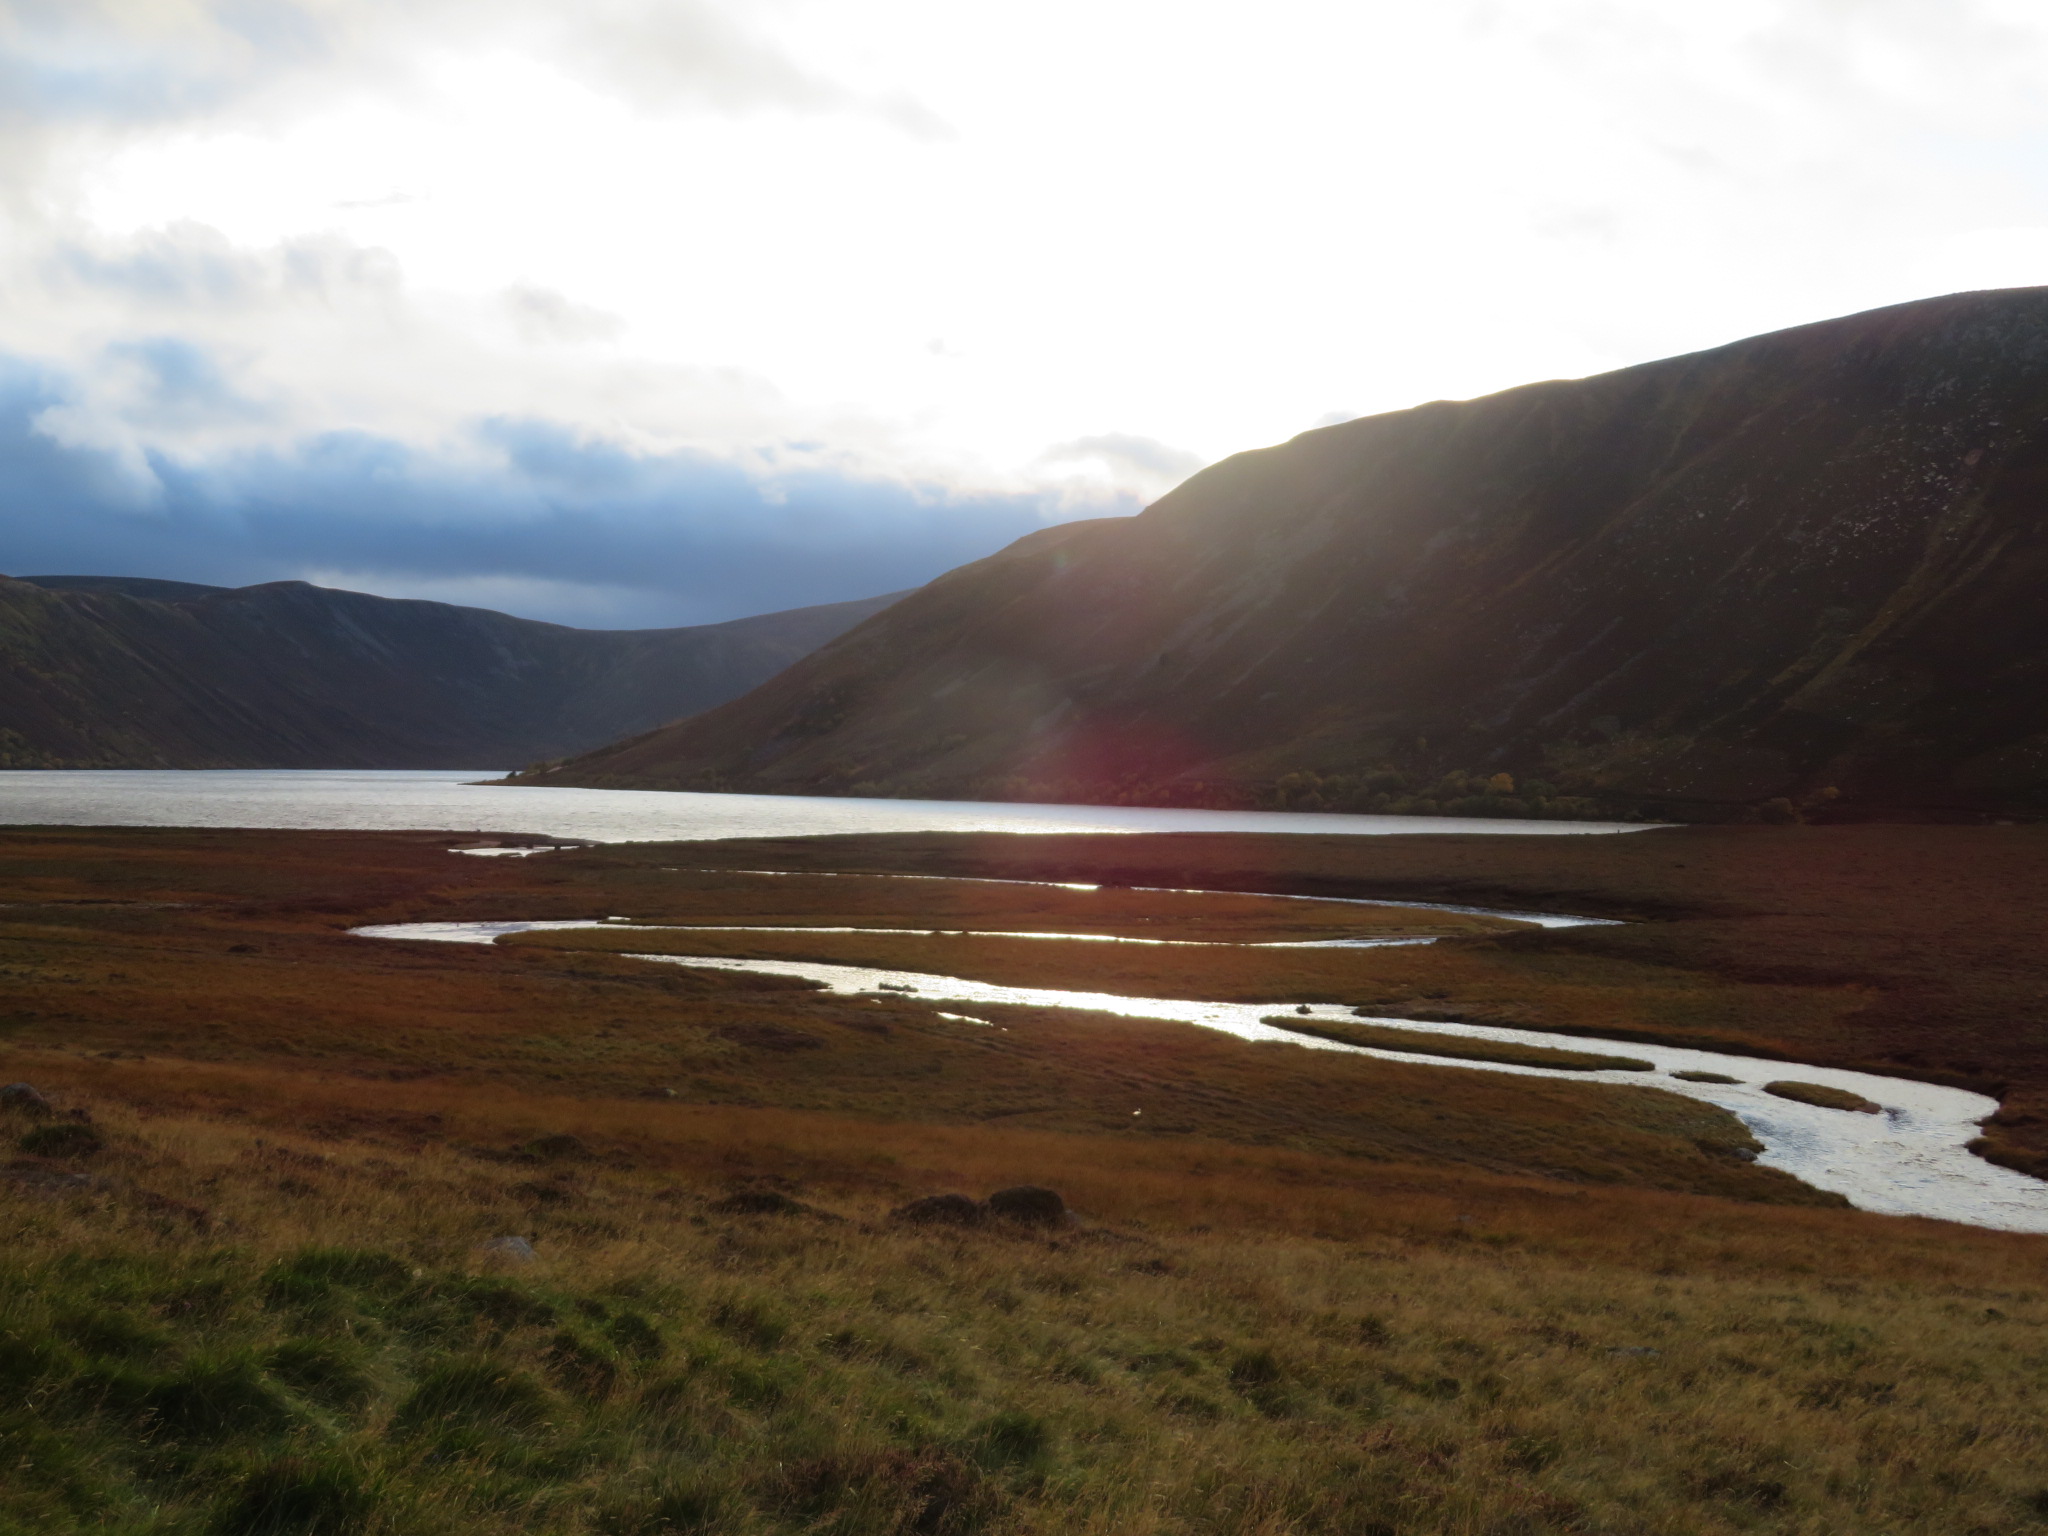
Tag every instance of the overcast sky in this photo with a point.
(630, 312)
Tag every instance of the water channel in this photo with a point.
(1911, 1159)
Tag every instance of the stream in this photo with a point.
(1909, 1160)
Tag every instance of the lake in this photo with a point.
(447, 801)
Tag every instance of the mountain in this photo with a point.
(1804, 571)
(128, 672)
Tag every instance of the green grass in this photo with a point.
(787, 1375)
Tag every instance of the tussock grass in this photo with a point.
(1308, 1294)
(1824, 1097)
(1383, 1037)
(349, 1358)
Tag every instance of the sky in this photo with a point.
(646, 312)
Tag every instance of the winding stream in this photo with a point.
(1910, 1160)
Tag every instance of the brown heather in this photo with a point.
(1310, 1294)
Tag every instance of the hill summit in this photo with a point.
(1804, 572)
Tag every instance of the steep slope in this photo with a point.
(1805, 563)
(127, 672)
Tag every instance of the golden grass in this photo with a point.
(1381, 1037)
(1468, 1355)
(1310, 1292)
(1824, 1097)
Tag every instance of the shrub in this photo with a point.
(67, 1138)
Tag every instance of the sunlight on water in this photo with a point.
(1910, 1160)
(441, 800)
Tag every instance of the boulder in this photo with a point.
(24, 1099)
(1030, 1204)
(942, 1211)
(510, 1249)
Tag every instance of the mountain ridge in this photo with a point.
(1795, 573)
(94, 672)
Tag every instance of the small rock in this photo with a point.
(942, 1211)
(512, 1250)
(1030, 1204)
(24, 1099)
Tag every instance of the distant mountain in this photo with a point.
(128, 672)
(1804, 571)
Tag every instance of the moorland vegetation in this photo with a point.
(262, 1282)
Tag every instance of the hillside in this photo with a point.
(1800, 571)
(115, 672)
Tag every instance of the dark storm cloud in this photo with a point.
(590, 528)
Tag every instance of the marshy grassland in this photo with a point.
(254, 1289)
(1415, 1042)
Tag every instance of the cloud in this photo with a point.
(541, 315)
(531, 514)
(190, 269)
(142, 63)
(1143, 465)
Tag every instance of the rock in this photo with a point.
(24, 1099)
(510, 1249)
(942, 1211)
(1030, 1204)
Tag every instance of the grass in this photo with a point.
(1907, 950)
(1381, 1037)
(1825, 1098)
(339, 1352)
(1307, 1293)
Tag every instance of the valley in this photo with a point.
(127, 672)
(1358, 1292)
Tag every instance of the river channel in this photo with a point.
(1912, 1159)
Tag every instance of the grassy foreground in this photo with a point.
(258, 1290)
